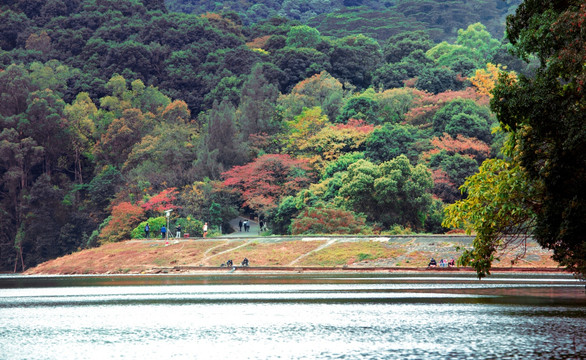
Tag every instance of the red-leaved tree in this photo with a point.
(125, 217)
(265, 181)
(325, 220)
(471, 147)
(162, 201)
(424, 107)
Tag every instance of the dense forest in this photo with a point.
(316, 116)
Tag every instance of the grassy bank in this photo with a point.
(148, 256)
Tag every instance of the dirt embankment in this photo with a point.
(341, 252)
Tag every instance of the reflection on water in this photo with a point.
(292, 317)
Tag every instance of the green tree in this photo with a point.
(163, 158)
(403, 44)
(45, 122)
(360, 107)
(298, 64)
(476, 37)
(220, 146)
(464, 116)
(81, 116)
(354, 59)
(499, 208)
(257, 106)
(303, 36)
(321, 90)
(547, 112)
(437, 80)
(394, 192)
(391, 140)
(15, 87)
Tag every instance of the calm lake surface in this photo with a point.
(247, 316)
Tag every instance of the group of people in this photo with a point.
(244, 224)
(241, 224)
(147, 231)
(230, 263)
(442, 263)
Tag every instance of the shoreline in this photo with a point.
(308, 270)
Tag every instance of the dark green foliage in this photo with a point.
(11, 25)
(390, 76)
(221, 146)
(392, 140)
(103, 187)
(281, 217)
(403, 44)
(360, 108)
(341, 164)
(433, 222)
(546, 112)
(464, 116)
(378, 24)
(437, 80)
(457, 167)
(393, 192)
(298, 64)
(354, 60)
(470, 126)
(377, 19)
(163, 158)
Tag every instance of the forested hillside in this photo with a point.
(360, 120)
(377, 19)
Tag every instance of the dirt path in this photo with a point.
(330, 242)
(205, 259)
(252, 232)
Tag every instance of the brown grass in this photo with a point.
(269, 254)
(137, 256)
(348, 253)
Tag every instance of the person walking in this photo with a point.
(178, 234)
(147, 230)
(240, 224)
(163, 232)
(205, 229)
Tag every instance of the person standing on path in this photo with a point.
(163, 232)
(178, 234)
(147, 230)
(205, 229)
(240, 224)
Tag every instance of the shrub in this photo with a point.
(327, 220)
(154, 223)
(189, 225)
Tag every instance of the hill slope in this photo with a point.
(147, 256)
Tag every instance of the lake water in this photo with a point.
(247, 316)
